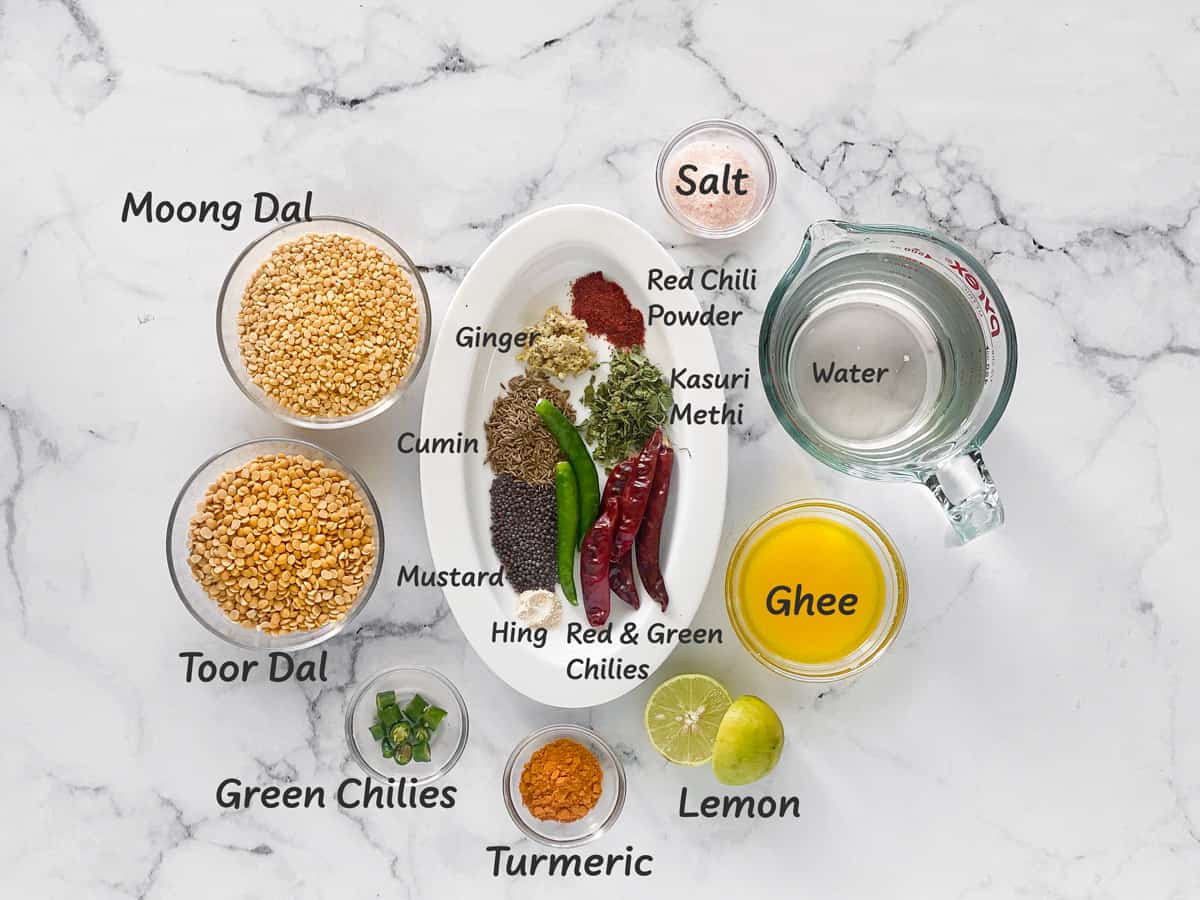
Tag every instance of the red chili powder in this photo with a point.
(603, 305)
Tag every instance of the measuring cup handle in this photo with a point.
(968, 495)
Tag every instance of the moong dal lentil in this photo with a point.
(283, 543)
(328, 325)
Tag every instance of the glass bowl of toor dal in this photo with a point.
(351, 549)
(323, 340)
(598, 820)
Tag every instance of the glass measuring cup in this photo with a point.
(888, 353)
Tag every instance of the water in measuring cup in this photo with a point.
(889, 357)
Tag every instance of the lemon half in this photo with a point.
(749, 742)
(682, 718)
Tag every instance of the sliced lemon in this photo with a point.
(682, 717)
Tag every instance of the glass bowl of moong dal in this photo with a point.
(427, 708)
(546, 780)
(324, 323)
(275, 544)
(816, 590)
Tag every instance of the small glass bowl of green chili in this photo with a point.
(411, 709)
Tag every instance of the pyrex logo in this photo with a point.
(973, 284)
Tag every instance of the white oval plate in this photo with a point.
(527, 268)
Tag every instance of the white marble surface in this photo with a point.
(1034, 733)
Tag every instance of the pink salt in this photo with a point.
(713, 211)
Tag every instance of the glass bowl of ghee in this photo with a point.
(816, 590)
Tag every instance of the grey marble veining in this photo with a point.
(1033, 733)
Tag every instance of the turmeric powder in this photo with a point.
(561, 782)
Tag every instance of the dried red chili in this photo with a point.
(620, 571)
(603, 305)
(594, 556)
(634, 495)
(649, 536)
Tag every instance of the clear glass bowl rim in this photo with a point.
(423, 339)
(454, 692)
(545, 734)
(346, 469)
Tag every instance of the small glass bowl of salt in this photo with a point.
(716, 178)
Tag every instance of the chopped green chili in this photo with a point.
(432, 717)
(404, 733)
(389, 716)
(416, 706)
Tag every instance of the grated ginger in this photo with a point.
(559, 348)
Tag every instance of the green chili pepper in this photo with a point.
(432, 717)
(416, 706)
(576, 451)
(404, 734)
(399, 733)
(566, 491)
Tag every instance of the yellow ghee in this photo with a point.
(810, 590)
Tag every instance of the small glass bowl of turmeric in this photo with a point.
(564, 786)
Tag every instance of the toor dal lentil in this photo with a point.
(283, 543)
